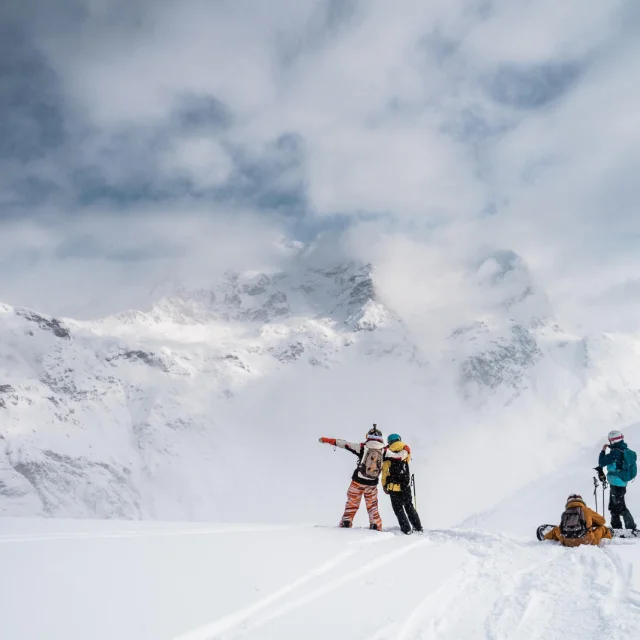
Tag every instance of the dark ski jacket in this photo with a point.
(613, 462)
(395, 470)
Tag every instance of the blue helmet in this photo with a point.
(393, 437)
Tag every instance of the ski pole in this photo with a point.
(415, 497)
(595, 491)
(603, 478)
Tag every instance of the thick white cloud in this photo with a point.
(101, 263)
(469, 124)
(203, 160)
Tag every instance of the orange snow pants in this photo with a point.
(354, 496)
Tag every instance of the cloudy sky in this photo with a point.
(148, 140)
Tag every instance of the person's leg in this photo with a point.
(414, 518)
(599, 533)
(397, 502)
(371, 499)
(624, 511)
(354, 496)
(616, 500)
(554, 534)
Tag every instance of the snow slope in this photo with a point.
(541, 501)
(159, 581)
(172, 412)
(487, 580)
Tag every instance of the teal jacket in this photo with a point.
(613, 462)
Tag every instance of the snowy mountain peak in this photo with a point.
(502, 262)
(343, 293)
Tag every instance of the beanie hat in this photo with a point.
(375, 434)
(393, 437)
(615, 436)
(574, 497)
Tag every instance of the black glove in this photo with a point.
(601, 476)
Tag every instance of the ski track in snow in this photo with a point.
(504, 589)
(523, 590)
(142, 534)
(243, 616)
(335, 584)
(443, 585)
(237, 618)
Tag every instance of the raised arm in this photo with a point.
(606, 459)
(353, 447)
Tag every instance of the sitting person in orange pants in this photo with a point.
(364, 481)
(579, 525)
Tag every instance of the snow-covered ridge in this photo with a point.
(158, 413)
(340, 293)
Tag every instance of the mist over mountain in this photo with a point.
(208, 404)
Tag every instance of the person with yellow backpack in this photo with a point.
(396, 482)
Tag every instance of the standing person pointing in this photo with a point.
(364, 481)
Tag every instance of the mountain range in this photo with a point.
(208, 404)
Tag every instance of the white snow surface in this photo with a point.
(78, 579)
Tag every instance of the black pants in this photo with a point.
(618, 508)
(402, 504)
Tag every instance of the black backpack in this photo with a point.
(572, 524)
(399, 473)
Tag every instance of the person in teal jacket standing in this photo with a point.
(621, 467)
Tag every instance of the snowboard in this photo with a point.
(543, 529)
(625, 533)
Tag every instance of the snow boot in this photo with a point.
(407, 533)
(374, 527)
(345, 524)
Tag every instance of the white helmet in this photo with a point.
(615, 436)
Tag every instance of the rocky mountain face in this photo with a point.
(205, 406)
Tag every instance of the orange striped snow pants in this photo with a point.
(354, 496)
